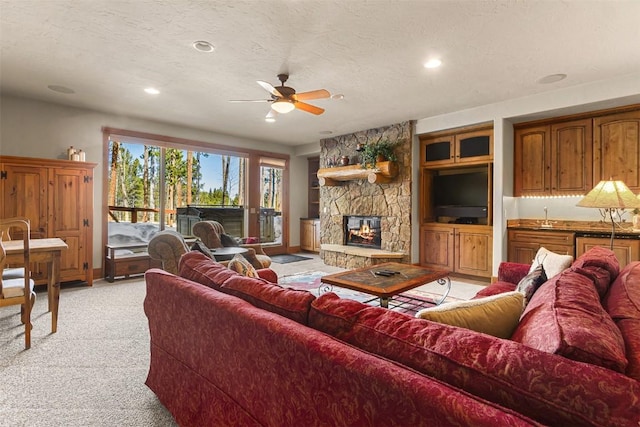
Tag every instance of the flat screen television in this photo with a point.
(463, 195)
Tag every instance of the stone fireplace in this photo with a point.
(391, 201)
(362, 231)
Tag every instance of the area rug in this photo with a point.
(408, 302)
(287, 258)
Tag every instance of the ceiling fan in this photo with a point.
(284, 99)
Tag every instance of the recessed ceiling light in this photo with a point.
(433, 63)
(337, 96)
(152, 91)
(203, 46)
(61, 89)
(270, 119)
(552, 78)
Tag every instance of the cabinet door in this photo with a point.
(436, 247)
(532, 153)
(70, 220)
(316, 235)
(474, 251)
(626, 250)
(474, 147)
(572, 157)
(307, 235)
(24, 194)
(617, 145)
(437, 151)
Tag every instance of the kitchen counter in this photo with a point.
(595, 228)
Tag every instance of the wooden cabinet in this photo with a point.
(524, 244)
(554, 159)
(57, 197)
(313, 207)
(310, 235)
(472, 146)
(462, 249)
(617, 148)
(626, 250)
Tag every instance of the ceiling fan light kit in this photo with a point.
(283, 106)
(284, 99)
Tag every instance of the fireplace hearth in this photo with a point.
(363, 231)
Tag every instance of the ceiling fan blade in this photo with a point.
(314, 94)
(251, 100)
(269, 88)
(309, 108)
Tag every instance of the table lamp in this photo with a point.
(609, 196)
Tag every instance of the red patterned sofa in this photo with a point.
(228, 350)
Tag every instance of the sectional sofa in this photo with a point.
(233, 350)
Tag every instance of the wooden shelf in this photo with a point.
(383, 173)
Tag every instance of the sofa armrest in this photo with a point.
(268, 275)
(512, 272)
(256, 246)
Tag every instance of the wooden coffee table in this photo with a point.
(409, 276)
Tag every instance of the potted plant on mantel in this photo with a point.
(378, 152)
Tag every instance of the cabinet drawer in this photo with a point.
(543, 237)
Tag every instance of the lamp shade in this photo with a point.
(283, 106)
(608, 195)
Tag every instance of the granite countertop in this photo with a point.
(595, 227)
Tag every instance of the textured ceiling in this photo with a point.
(370, 51)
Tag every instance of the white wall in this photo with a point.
(32, 128)
(577, 99)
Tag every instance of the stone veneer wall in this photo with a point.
(390, 201)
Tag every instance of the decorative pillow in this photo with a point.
(240, 265)
(552, 262)
(228, 240)
(201, 247)
(497, 315)
(196, 266)
(601, 265)
(253, 259)
(531, 282)
(565, 317)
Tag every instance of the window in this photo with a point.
(154, 185)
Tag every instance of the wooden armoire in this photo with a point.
(57, 197)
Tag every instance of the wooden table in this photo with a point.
(46, 251)
(408, 277)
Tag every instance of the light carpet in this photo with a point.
(91, 372)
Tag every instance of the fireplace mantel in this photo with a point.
(383, 173)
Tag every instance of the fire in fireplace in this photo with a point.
(364, 231)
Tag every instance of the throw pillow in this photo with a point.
(228, 240)
(552, 262)
(201, 247)
(532, 281)
(240, 265)
(497, 315)
(253, 259)
(565, 317)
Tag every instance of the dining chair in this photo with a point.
(18, 291)
(14, 272)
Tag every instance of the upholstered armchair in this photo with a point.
(168, 246)
(211, 234)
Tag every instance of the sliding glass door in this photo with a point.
(156, 185)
